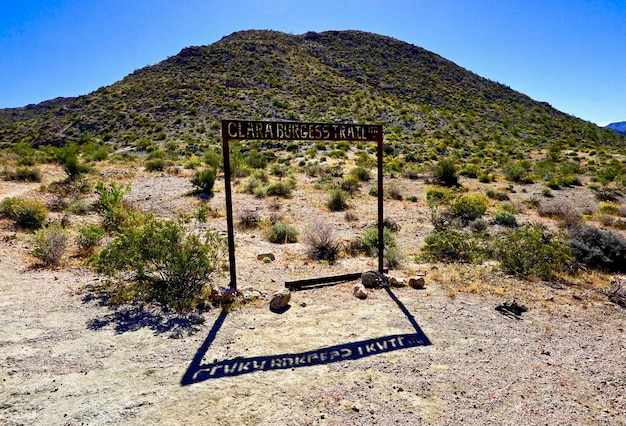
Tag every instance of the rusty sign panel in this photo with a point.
(289, 130)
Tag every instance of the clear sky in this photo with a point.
(570, 53)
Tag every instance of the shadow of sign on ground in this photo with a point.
(199, 372)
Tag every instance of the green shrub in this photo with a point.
(261, 175)
(496, 195)
(468, 207)
(393, 191)
(213, 159)
(470, 171)
(26, 213)
(608, 207)
(436, 195)
(518, 172)
(504, 217)
(361, 174)
(278, 170)
(192, 163)
(393, 256)
(281, 233)
(251, 185)
(256, 160)
(451, 246)
(204, 180)
(597, 248)
(50, 244)
(24, 174)
(169, 265)
(110, 205)
(68, 158)
(155, 164)
(281, 188)
(485, 177)
(350, 184)
(100, 154)
(369, 241)
(26, 154)
(532, 250)
(479, 225)
(365, 161)
(445, 173)
(553, 184)
(79, 207)
(89, 236)
(337, 200)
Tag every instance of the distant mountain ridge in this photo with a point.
(619, 127)
(333, 76)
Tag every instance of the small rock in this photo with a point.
(223, 294)
(359, 291)
(280, 300)
(417, 282)
(511, 307)
(371, 279)
(249, 294)
(264, 256)
(396, 282)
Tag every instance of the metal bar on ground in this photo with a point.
(322, 281)
(313, 282)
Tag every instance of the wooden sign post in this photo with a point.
(288, 131)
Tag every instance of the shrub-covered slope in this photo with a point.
(420, 97)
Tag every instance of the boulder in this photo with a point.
(396, 282)
(266, 257)
(280, 300)
(249, 294)
(223, 294)
(359, 291)
(417, 282)
(372, 279)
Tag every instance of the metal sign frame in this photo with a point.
(296, 131)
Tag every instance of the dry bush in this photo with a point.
(249, 219)
(567, 215)
(617, 291)
(322, 242)
(50, 244)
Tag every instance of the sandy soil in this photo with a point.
(442, 355)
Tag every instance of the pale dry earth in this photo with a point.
(67, 359)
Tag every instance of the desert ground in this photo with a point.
(441, 355)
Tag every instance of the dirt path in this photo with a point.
(70, 361)
(441, 356)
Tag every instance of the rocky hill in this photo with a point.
(619, 127)
(421, 98)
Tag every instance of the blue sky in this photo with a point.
(568, 53)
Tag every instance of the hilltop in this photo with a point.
(335, 76)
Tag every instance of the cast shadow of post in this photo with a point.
(198, 372)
